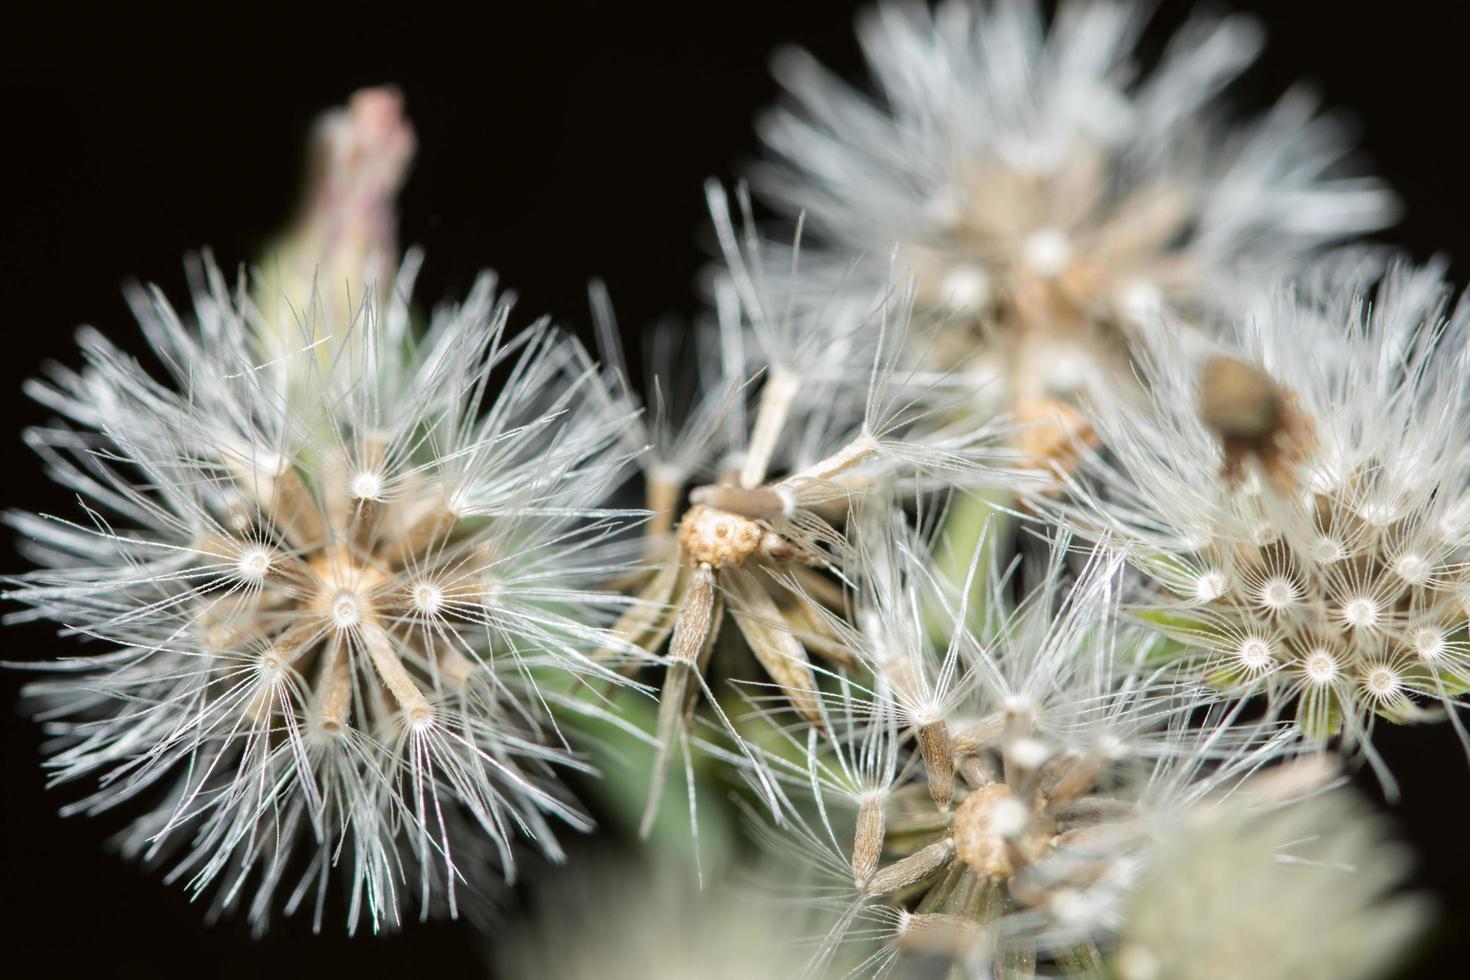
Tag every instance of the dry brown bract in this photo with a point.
(1255, 418)
(733, 549)
(952, 871)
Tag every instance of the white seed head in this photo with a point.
(1278, 593)
(367, 485)
(253, 564)
(1429, 642)
(1382, 682)
(1254, 654)
(246, 576)
(428, 598)
(1210, 586)
(1320, 667)
(1028, 753)
(1047, 252)
(966, 289)
(1361, 612)
(1412, 567)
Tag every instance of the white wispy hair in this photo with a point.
(809, 412)
(1303, 888)
(1027, 730)
(1332, 581)
(1030, 172)
(837, 370)
(338, 591)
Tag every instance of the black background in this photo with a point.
(557, 142)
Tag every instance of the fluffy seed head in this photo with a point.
(328, 586)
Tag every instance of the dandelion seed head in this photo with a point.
(1321, 667)
(1309, 886)
(966, 289)
(428, 598)
(1048, 252)
(1278, 594)
(1210, 586)
(1360, 612)
(499, 451)
(1413, 568)
(1004, 140)
(367, 485)
(1360, 555)
(1061, 766)
(1429, 642)
(254, 564)
(1254, 654)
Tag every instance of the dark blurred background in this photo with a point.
(557, 142)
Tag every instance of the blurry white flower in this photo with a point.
(1046, 192)
(1241, 888)
(1301, 501)
(327, 589)
(609, 919)
(1020, 740)
(816, 412)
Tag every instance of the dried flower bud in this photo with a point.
(1254, 417)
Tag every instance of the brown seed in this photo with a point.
(695, 616)
(914, 868)
(938, 753)
(1238, 400)
(867, 842)
(1255, 419)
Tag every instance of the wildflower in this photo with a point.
(1276, 889)
(1026, 735)
(1302, 523)
(833, 415)
(670, 930)
(1051, 198)
(329, 589)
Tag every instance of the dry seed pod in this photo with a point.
(1256, 419)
